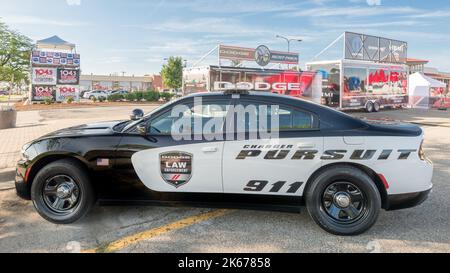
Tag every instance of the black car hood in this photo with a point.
(93, 129)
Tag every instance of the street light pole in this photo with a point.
(289, 40)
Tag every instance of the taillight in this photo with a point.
(422, 152)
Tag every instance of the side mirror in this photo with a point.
(137, 114)
(142, 129)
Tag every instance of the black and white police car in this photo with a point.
(343, 169)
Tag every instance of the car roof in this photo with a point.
(333, 118)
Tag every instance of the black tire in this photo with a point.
(64, 170)
(376, 107)
(369, 207)
(369, 107)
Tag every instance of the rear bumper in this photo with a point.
(408, 200)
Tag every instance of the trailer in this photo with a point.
(301, 84)
(371, 73)
(356, 84)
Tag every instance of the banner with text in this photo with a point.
(41, 93)
(68, 76)
(55, 58)
(64, 92)
(43, 76)
(262, 55)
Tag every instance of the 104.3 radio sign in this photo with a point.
(68, 76)
(44, 76)
(64, 92)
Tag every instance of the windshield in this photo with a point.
(131, 123)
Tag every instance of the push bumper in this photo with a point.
(408, 200)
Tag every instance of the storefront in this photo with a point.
(371, 74)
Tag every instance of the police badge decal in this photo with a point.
(176, 168)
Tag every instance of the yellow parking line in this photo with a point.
(145, 235)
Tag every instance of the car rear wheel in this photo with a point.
(62, 192)
(343, 200)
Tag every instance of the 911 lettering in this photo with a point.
(260, 185)
(327, 155)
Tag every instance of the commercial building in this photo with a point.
(418, 65)
(116, 82)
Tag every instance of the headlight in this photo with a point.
(23, 151)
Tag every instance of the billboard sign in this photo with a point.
(262, 55)
(68, 76)
(43, 76)
(41, 92)
(55, 58)
(377, 49)
(63, 92)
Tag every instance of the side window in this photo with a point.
(211, 117)
(287, 117)
(290, 119)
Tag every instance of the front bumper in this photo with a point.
(23, 190)
(407, 200)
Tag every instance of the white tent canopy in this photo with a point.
(419, 89)
(54, 43)
(420, 79)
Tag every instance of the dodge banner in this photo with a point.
(68, 76)
(262, 55)
(43, 76)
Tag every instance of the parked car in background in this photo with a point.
(84, 92)
(96, 94)
(120, 92)
(3, 92)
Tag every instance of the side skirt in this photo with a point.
(231, 201)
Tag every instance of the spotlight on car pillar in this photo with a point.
(137, 114)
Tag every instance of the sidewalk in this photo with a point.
(34, 124)
(7, 179)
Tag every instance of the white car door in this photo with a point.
(277, 166)
(193, 165)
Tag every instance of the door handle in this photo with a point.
(306, 145)
(210, 149)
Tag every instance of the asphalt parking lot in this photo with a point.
(156, 229)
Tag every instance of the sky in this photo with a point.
(135, 36)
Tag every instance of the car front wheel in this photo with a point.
(62, 192)
(343, 200)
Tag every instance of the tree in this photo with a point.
(15, 50)
(172, 73)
